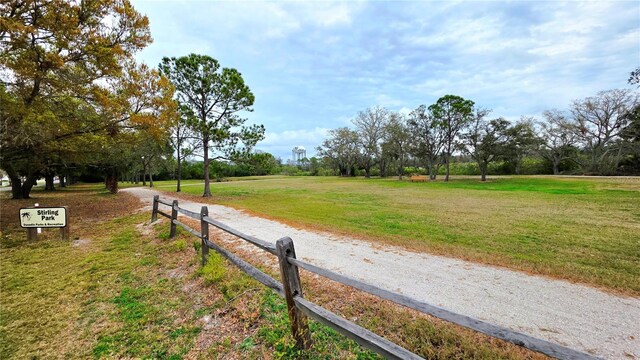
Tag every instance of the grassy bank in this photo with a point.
(581, 229)
(120, 288)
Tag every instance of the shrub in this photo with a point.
(179, 245)
(215, 269)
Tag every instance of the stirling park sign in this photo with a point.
(44, 217)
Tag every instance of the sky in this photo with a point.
(313, 66)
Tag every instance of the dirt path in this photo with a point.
(576, 316)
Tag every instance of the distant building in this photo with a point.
(298, 154)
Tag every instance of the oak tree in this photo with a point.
(451, 113)
(427, 139)
(53, 57)
(557, 139)
(396, 141)
(485, 141)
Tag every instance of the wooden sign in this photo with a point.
(41, 217)
(44, 217)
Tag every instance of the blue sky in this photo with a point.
(313, 65)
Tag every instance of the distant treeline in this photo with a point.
(598, 135)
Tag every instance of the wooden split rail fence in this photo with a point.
(300, 308)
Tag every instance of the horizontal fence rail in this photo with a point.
(359, 334)
(251, 270)
(502, 333)
(191, 214)
(298, 306)
(264, 245)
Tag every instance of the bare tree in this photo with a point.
(597, 122)
(558, 139)
(370, 125)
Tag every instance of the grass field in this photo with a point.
(121, 288)
(581, 229)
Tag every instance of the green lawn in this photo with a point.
(581, 229)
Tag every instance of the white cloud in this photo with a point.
(304, 137)
(333, 15)
(314, 65)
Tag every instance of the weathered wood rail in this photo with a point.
(300, 308)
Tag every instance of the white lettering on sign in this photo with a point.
(43, 217)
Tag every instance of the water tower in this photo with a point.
(298, 153)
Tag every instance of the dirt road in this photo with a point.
(576, 316)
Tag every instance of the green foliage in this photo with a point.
(210, 98)
(179, 245)
(165, 233)
(129, 303)
(327, 344)
(215, 268)
(197, 246)
(68, 96)
(247, 344)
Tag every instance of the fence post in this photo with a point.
(154, 212)
(291, 284)
(174, 216)
(204, 231)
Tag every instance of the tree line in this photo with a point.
(75, 101)
(598, 135)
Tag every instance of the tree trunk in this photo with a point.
(48, 182)
(446, 160)
(205, 151)
(16, 186)
(556, 166)
(20, 190)
(112, 182)
(150, 175)
(483, 171)
(144, 175)
(367, 171)
(63, 183)
(179, 174)
(28, 185)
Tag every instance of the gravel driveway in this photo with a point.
(577, 316)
